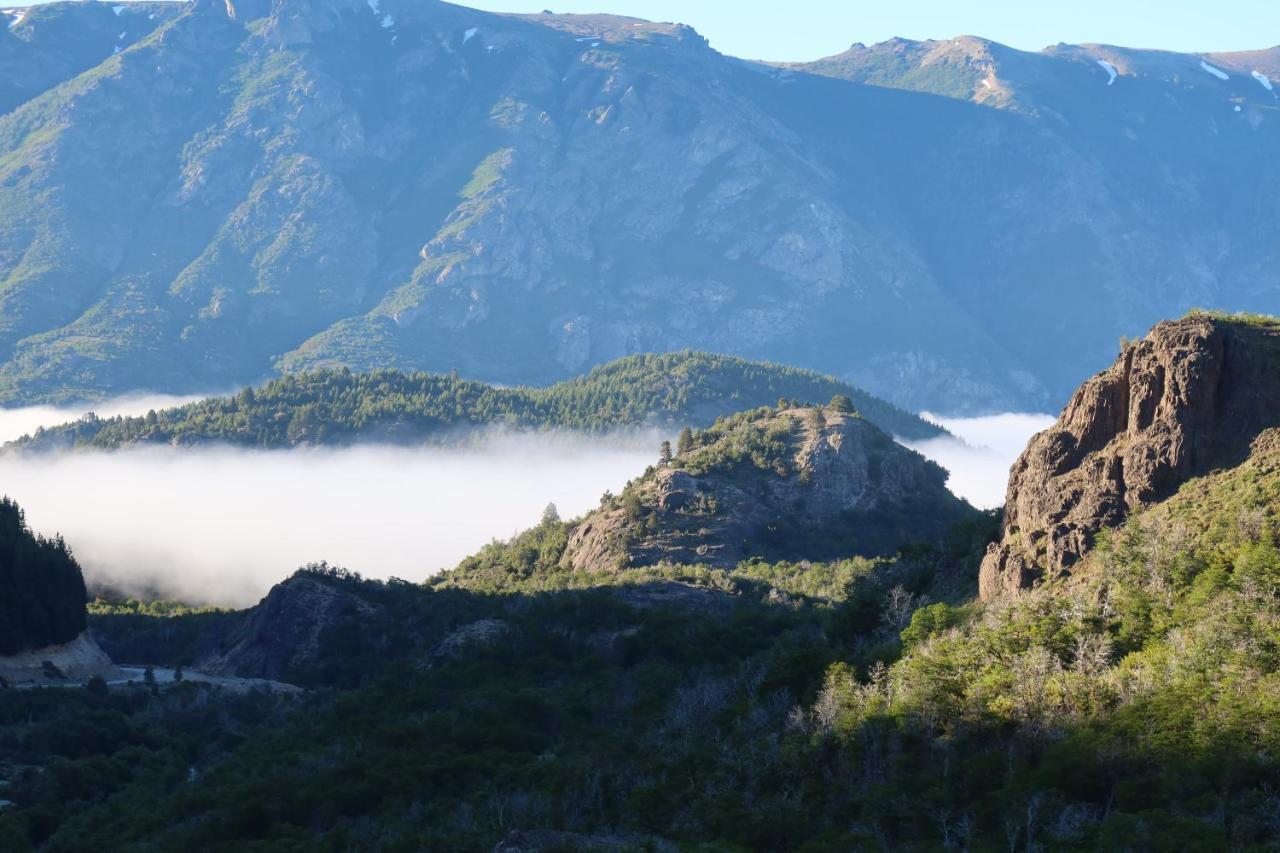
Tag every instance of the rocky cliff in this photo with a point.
(791, 484)
(1187, 399)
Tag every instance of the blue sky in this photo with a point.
(807, 29)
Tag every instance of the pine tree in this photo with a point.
(817, 420)
(551, 515)
(664, 455)
(685, 443)
(841, 403)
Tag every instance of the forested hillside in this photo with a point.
(340, 407)
(42, 593)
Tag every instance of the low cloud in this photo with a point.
(15, 423)
(982, 452)
(222, 525)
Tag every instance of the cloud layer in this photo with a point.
(222, 525)
(983, 450)
(15, 423)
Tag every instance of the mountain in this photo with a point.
(257, 187)
(1191, 397)
(1055, 82)
(339, 407)
(42, 593)
(789, 484)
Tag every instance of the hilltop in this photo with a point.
(341, 407)
(792, 484)
(216, 193)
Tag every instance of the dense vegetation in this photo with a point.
(788, 706)
(42, 592)
(335, 407)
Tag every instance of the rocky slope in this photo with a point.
(286, 633)
(285, 184)
(807, 483)
(1190, 397)
(72, 662)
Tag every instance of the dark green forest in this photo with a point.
(341, 407)
(42, 592)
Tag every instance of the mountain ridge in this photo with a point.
(303, 187)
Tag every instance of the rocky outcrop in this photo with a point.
(1188, 398)
(794, 484)
(285, 633)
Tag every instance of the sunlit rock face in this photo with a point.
(1189, 397)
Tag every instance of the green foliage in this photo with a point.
(42, 592)
(336, 407)
(929, 621)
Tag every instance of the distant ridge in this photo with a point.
(340, 407)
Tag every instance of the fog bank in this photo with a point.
(981, 453)
(15, 423)
(223, 525)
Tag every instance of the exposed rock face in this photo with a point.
(1188, 398)
(783, 485)
(78, 660)
(284, 633)
(478, 634)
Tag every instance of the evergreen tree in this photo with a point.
(841, 403)
(42, 593)
(551, 515)
(685, 443)
(664, 455)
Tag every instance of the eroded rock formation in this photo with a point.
(794, 484)
(1188, 398)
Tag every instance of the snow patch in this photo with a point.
(1216, 72)
(1110, 69)
(1264, 80)
(115, 50)
(19, 17)
(117, 10)
(388, 22)
(470, 34)
(1237, 108)
(375, 6)
(122, 35)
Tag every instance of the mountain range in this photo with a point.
(208, 194)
